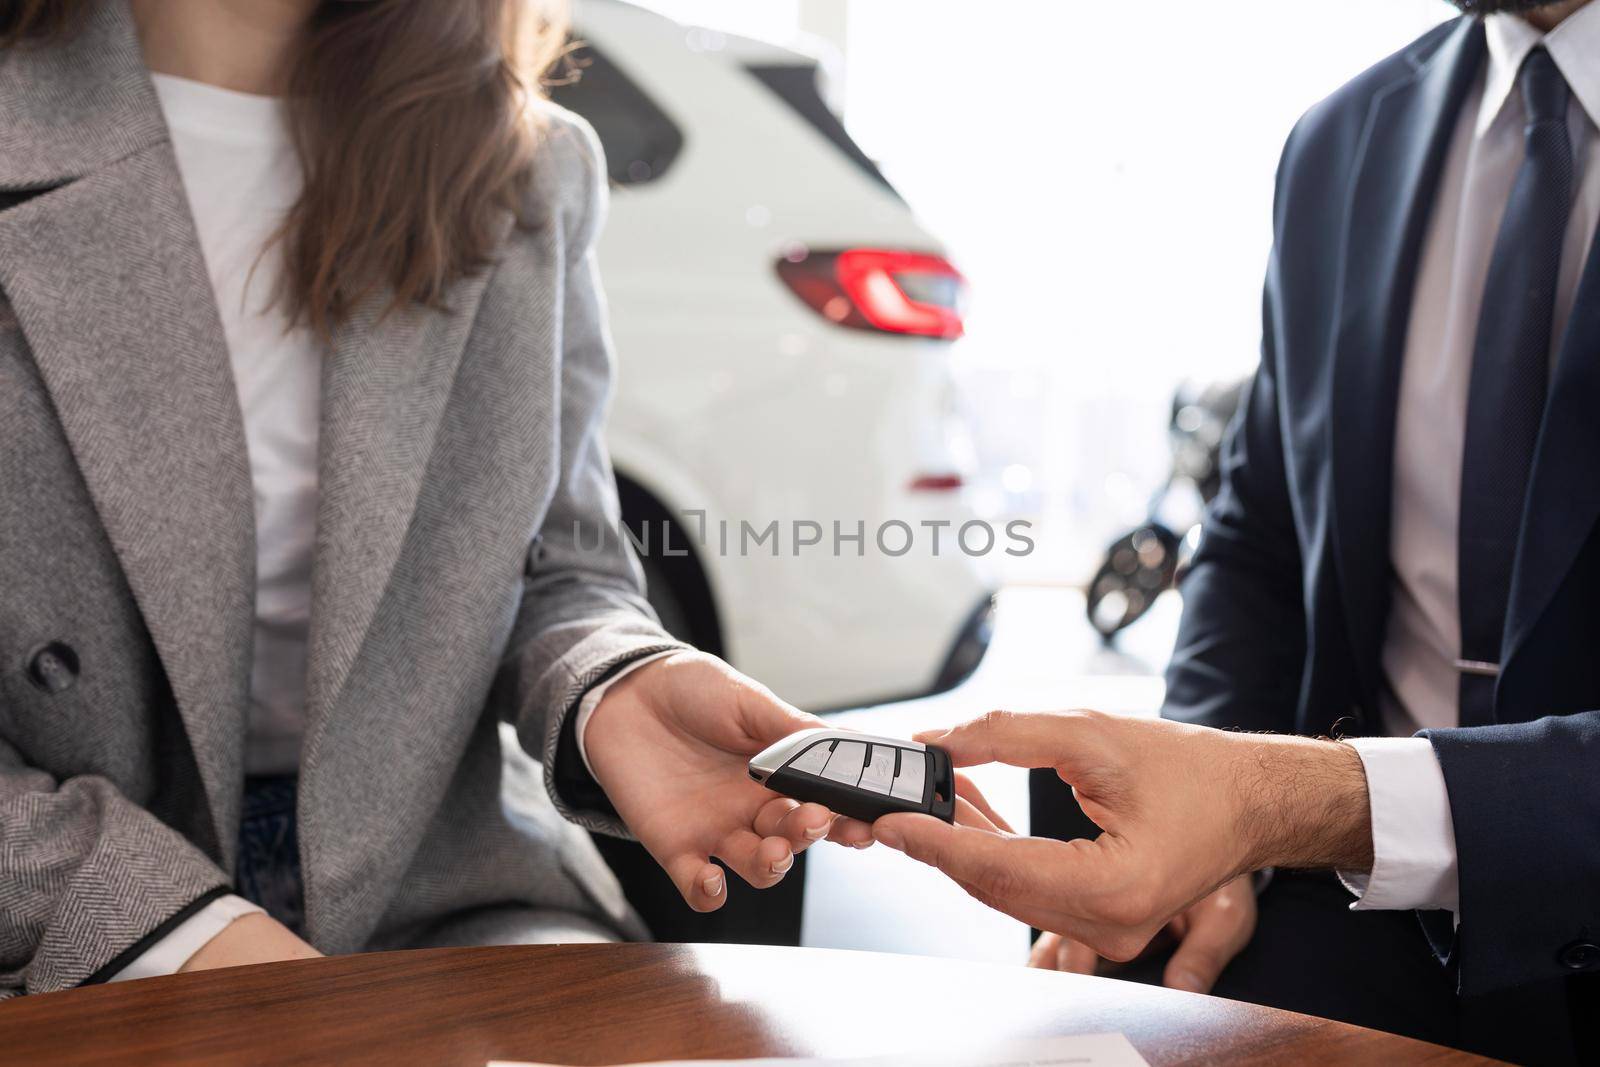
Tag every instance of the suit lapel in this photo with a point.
(1563, 492)
(385, 389)
(1398, 166)
(104, 273)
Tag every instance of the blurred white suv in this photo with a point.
(783, 328)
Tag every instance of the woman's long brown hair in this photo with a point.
(412, 123)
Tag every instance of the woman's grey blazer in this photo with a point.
(469, 565)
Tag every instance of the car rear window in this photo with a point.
(640, 139)
(797, 85)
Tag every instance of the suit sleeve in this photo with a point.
(88, 879)
(1240, 651)
(583, 616)
(1525, 803)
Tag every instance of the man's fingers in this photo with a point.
(1012, 871)
(1022, 739)
(1219, 927)
(1051, 885)
(974, 796)
(1199, 960)
(1052, 952)
(1043, 954)
(1037, 916)
(701, 882)
(967, 815)
(1075, 957)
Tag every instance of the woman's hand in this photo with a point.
(670, 744)
(253, 938)
(1210, 934)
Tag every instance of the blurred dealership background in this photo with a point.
(793, 179)
(1102, 173)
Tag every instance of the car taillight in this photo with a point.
(874, 289)
(937, 483)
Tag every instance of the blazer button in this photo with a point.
(1580, 956)
(53, 668)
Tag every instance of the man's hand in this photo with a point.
(1185, 809)
(253, 938)
(1210, 934)
(670, 744)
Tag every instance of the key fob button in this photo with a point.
(813, 759)
(879, 775)
(913, 772)
(846, 762)
(858, 775)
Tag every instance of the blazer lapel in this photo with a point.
(1563, 492)
(1398, 165)
(385, 390)
(105, 276)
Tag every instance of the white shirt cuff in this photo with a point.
(592, 698)
(187, 938)
(1413, 838)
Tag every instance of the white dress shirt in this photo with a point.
(1413, 838)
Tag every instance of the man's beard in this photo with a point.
(1491, 7)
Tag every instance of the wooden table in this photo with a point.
(603, 1004)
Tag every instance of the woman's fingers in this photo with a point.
(701, 883)
(852, 833)
(802, 825)
(761, 861)
(763, 718)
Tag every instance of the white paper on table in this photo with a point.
(1084, 1050)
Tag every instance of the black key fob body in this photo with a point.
(859, 775)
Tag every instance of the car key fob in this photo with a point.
(858, 775)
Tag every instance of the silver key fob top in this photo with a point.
(859, 775)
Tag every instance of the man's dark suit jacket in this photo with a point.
(1286, 604)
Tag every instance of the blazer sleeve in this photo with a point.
(1240, 651)
(583, 615)
(1525, 804)
(88, 879)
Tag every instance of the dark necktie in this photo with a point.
(1510, 377)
